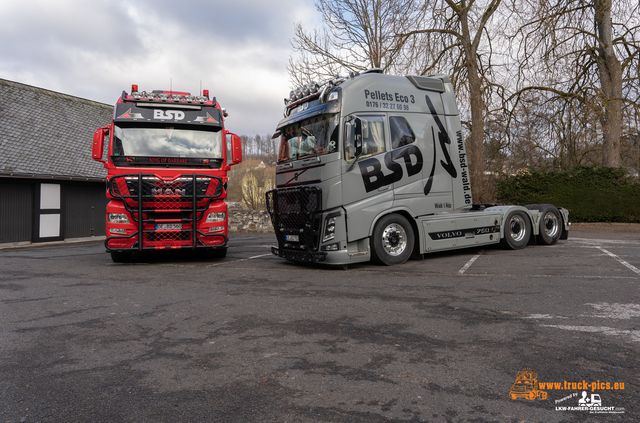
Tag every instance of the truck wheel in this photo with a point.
(121, 256)
(392, 240)
(550, 224)
(517, 230)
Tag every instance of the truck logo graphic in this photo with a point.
(594, 401)
(208, 118)
(167, 191)
(371, 169)
(168, 114)
(443, 137)
(526, 386)
(130, 115)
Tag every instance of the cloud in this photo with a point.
(96, 49)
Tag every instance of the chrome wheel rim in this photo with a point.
(394, 239)
(551, 224)
(517, 228)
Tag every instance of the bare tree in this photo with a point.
(454, 32)
(596, 40)
(357, 35)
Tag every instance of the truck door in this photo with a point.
(368, 174)
(408, 190)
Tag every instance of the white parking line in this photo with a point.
(507, 275)
(470, 262)
(237, 261)
(602, 241)
(623, 262)
(263, 255)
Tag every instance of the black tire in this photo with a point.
(392, 240)
(550, 224)
(517, 230)
(218, 253)
(121, 256)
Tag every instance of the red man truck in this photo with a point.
(166, 173)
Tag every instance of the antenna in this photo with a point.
(201, 87)
(171, 86)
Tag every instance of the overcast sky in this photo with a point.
(95, 49)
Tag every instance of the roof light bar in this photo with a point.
(166, 97)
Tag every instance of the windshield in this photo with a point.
(314, 136)
(167, 142)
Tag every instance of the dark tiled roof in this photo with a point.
(48, 134)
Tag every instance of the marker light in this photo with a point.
(150, 96)
(163, 96)
(202, 99)
(137, 95)
(189, 98)
(176, 97)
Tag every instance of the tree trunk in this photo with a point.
(475, 146)
(610, 71)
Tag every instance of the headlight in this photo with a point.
(118, 218)
(216, 229)
(329, 229)
(216, 217)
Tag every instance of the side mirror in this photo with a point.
(236, 149)
(98, 143)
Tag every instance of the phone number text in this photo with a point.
(388, 106)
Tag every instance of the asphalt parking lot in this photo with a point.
(252, 338)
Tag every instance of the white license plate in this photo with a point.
(169, 226)
(293, 238)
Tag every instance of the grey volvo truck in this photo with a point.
(374, 167)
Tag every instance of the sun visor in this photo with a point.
(330, 107)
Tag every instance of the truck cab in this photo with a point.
(167, 162)
(374, 166)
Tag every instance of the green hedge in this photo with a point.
(590, 194)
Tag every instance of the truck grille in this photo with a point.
(296, 215)
(150, 199)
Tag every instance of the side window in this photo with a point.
(401, 132)
(372, 137)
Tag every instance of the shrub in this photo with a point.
(590, 194)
